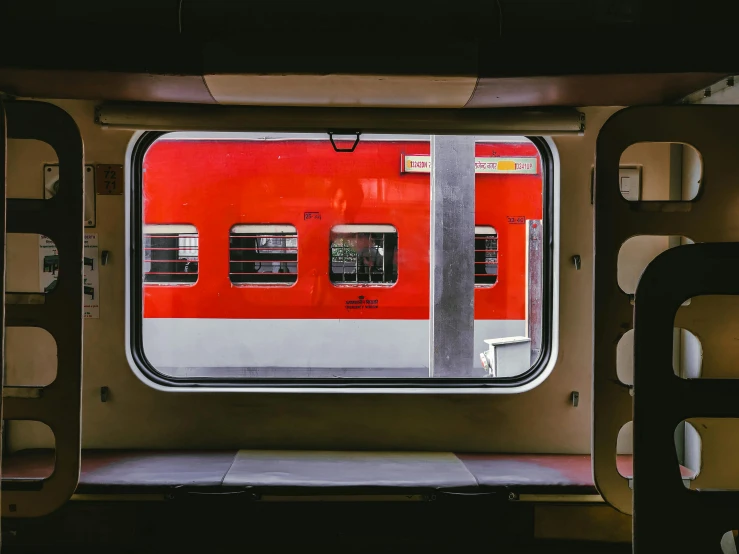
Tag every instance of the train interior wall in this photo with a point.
(136, 416)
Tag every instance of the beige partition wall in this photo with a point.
(703, 210)
(58, 311)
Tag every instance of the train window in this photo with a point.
(263, 254)
(355, 302)
(486, 256)
(363, 254)
(170, 254)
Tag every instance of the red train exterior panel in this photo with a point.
(216, 184)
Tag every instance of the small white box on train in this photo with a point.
(507, 356)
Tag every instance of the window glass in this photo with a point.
(365, 254)
(263, 254)
(486, 256)
(284, 256)
(170, 254)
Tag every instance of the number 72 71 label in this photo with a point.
(109, 179)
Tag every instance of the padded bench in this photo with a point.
(281, 472)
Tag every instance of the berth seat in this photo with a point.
(300, 472)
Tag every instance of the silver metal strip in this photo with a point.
(535, 288)
(451, 312)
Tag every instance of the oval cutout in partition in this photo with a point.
(660, 171)
(687, 356)
(625, 358)
(688, 447)
(25, 159)
(32, 263)
(713, 318)
(714, 439)
(637, 253)
(624, 450)
(29, 450)
(689, 363)
(30, 357)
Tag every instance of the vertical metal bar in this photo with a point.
(452, 257)
(356, 257)
(534, 290)
(342, 249)
(384, 255)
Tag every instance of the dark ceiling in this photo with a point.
(537, 44)
(489, 38)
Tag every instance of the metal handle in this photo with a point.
(337, 149)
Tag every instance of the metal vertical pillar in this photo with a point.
(452, 257)
(535, 288)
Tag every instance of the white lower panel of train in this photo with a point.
(295, 347)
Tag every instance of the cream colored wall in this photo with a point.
(654, 159)
(136, 416)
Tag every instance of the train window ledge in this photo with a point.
(268, 323)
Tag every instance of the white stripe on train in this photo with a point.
(262, 348)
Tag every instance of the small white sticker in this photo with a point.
(49, 271)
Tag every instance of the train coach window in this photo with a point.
(263, 254)
(486, 256)
(324, 265)
(363, 254)
(170, 254)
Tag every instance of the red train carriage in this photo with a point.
(283, 253)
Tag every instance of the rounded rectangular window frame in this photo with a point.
(480, 232)
(540, 370)
(386, 278)
(264, 232)
(184, 251)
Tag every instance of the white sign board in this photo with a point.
(48, 262)
(629, 180)
(51, 185)
(514, 166)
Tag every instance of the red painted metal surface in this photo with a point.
(216, 184)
